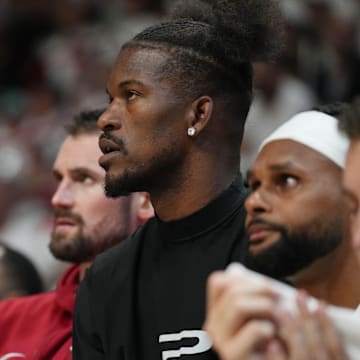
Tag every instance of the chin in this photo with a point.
(264, 245)
(122, 184)
(114, 188)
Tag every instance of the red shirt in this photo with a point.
(40, 326)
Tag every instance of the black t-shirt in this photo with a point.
(145, 300)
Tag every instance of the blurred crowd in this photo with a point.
(54, 61)
(320, 63)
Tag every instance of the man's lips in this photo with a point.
(257, 232)
(64, 221)
(107, 146)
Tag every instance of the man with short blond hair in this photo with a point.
(86, 223)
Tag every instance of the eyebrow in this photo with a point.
(129, 82)
(84, 170)
(274, 167)
(124, 83)
(283, 166)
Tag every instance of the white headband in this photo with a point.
(316, 130)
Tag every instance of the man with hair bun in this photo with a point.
(179, 94)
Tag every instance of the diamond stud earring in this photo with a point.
(191, 131)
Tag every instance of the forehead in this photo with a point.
(80, 151)
(143, 64)
(288, 154)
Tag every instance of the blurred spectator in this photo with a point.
(18, 276)
(324, 47)
(54, 61)
(320, 63)
(28, 231)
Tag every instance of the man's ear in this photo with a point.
(144, 208)
(199, 114)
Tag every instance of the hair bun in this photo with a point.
(253, 29)
(195, 10)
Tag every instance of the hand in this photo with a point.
(240, 316)
(309, 335)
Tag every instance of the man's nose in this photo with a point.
(258, 202)
(62, 198)
(109, 120)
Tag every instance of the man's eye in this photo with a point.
(131, 95)
(84, 179)
(289, 181)
(253, 184)
(88, 180)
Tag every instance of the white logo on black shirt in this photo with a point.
(204, 343)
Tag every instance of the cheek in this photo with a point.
(93, 204)
(324, 199)
(317, 210)
(95, 219)
(141, 143)
(145, 147)
(295, 213)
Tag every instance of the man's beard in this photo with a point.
(295, 250)
(153, 176)
(78, 247)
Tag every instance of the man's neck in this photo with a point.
(83, 267)
(191, 192)
(333, 278)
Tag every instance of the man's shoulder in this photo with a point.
(25, 312)
(25, 303)
(25, 323)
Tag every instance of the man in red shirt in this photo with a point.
(86, 223)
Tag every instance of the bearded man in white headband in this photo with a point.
(297, 222)
(297, 227)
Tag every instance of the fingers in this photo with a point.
(310, 329)
(242, 322)
(216, 285)
(310, 334)
(237, 313)
(245, 344)
(329, 334)
(232, 301)
(294, 338)
(275, 351)
(221, 281)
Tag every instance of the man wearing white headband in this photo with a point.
(297, 229)
(297, 218)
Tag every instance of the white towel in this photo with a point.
(346, 321)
